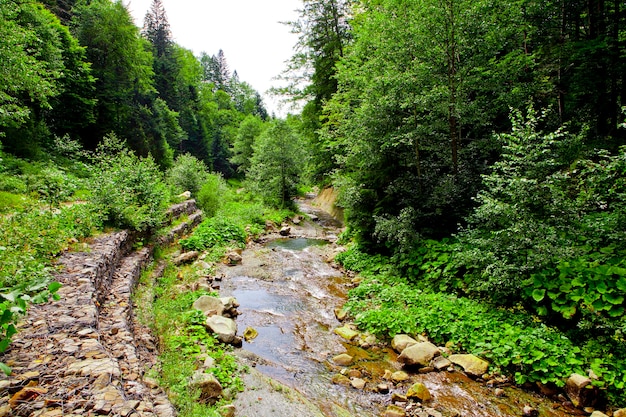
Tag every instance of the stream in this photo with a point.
(288, 292)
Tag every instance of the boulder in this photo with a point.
(285, 231)
(229, 302)
(419, 354)
(210, 306)
(346, 332)
(227, 410)
(209, 387)
(620, 413)
(419, 392)
(224, 328)
(472, 365)
(357, 383)
(232, 258)
(401, 342)
(580, 392)
(343, 360)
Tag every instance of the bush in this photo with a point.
(187, 174)
(210, 196)
(216, 231)
(128, 191)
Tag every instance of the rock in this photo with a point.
(297, 220)
(224, 328)
(5, 410)
(346, 332)
(472, 365)
(250, 334)
(620, 413)
(547, 390)
(418, 391)
(94, 367)
(285, 231)
(399, 376)
(229, 303)
(398, 398)
(440, 363)
(339, 379)
(529, 412)
(354, 373)
(209, 362)
(419, 354)
(343, 360)
(210, 388)
(394, 411)
(228, 410)
(578, 389)
(341, 314)
(599, 414)
(382, 388)
(270, 226)
(184, 196)
(401, 342)
(210, 306)
(29, 393)
(232, 258)
(499, 392)
(357, 383)
(186, 257)
(426, 370)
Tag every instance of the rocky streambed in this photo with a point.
(305, 361)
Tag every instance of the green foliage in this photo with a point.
(187, 174)
(215, 231)
(211, 194)
(128, 191)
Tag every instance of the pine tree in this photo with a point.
(156, 28)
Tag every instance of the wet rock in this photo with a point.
(341, 314)
(472, 365)
(401, 342)
(382, 388)
(426, 370)
(440, 363)
(285, 231)
(398, 398)
(250, 334)
(209, 387)
(578, 389)
(186, 257)
(597, 413)
(394, 411)
(339, 379)
(529, 412)
(418, 391)
(346, 332)
(224, 328)
(419, 354)
(399, 376)
(357, 383)
(210, 306)
(343, 360)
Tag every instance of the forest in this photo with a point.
(478, 149)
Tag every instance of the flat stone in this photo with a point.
(440, 363)
(346, 332)
(341, 314)
(401, 342)
(357, 383)
(210, 306)
(94, 367)
(394, 411)
(343, 359)
(399, 376)
(419, 354)
(186, 257)
(339, 379)
(472, 365)
(418, 391)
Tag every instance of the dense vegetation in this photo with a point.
(478, 146)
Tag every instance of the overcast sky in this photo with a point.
(254, 41)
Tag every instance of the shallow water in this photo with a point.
(288, 293)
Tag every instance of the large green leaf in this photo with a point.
(538, 294)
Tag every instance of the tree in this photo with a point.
(277, 163)
(243, 147)
(156, 29)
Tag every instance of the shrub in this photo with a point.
(187, 174)
(128, 191)
(210, 196)
(216, 231)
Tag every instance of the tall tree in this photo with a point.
(156, 28)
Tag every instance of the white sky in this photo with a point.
(254, 42)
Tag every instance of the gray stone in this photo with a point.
(357, 383)
(186, 257)
(210, 306)
(401, 342)
(224, 328)
(419, 354)
(229, 302)
(440, 363)
(210, 388)
(472, 365)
